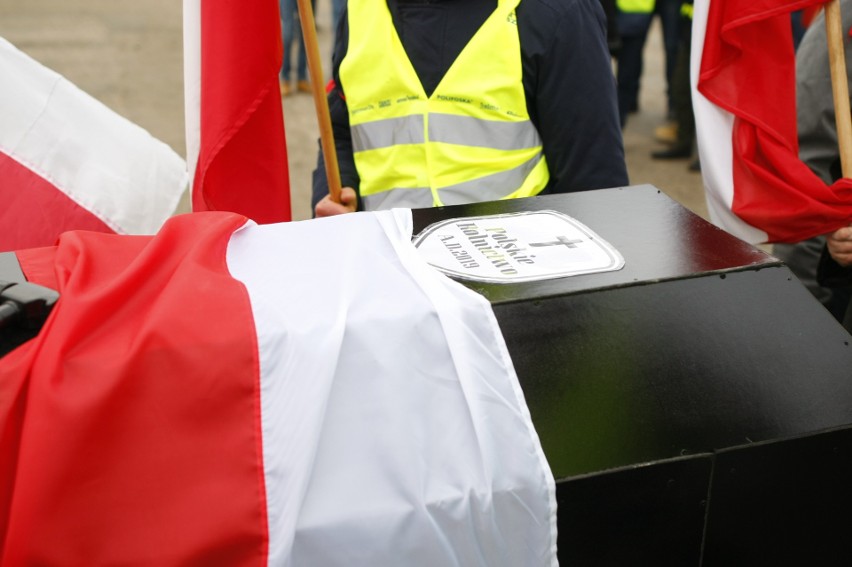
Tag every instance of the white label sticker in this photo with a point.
(516, 247)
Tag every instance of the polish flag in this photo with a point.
(744, 99)
(236, 149)
(69, 162)
(226, 393)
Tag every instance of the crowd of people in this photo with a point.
(634, 19)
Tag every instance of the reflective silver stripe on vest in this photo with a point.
(496, 134)
(445, 128)
(417, 198)
(386, 133)
(490, 187)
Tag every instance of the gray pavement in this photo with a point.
(129, 53)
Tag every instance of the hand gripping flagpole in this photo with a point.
(309, 34)
(839, 85)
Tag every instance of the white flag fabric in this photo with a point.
(714, 132)
(68, 162)
(343, 403)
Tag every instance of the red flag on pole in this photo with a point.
(743, 77)
(236, 148)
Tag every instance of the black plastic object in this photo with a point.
(646, 384)
(24, 306)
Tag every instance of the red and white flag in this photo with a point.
(744, 99)
(226, 393)
(236, 149)
(68, 162)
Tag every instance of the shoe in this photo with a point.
(667, 133)
(695, 165)
(303, 86)
(285, 87)
(673, 153)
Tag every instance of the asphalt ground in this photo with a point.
(129, 55)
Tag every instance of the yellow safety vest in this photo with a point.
(472, 140)
(636, 6)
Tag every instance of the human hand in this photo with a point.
(839, 245)
(348, 204)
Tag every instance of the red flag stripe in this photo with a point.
(746, 119)
(192, 400)
(242, 157)
(90, 168)
(35, 211)
(159, 441)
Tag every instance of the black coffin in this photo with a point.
(695, 406)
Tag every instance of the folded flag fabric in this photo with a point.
(236, 147)
(68, 162)
(743, 77)
(228, 393)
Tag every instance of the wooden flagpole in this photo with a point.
(309, 33)
(839, 85)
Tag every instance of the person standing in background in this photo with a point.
(683, 145)
(294, 43)
(818, 149)
(337, 8)
(613, 38)
(670, 13)
(634, 20)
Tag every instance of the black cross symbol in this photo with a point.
(560, 240)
